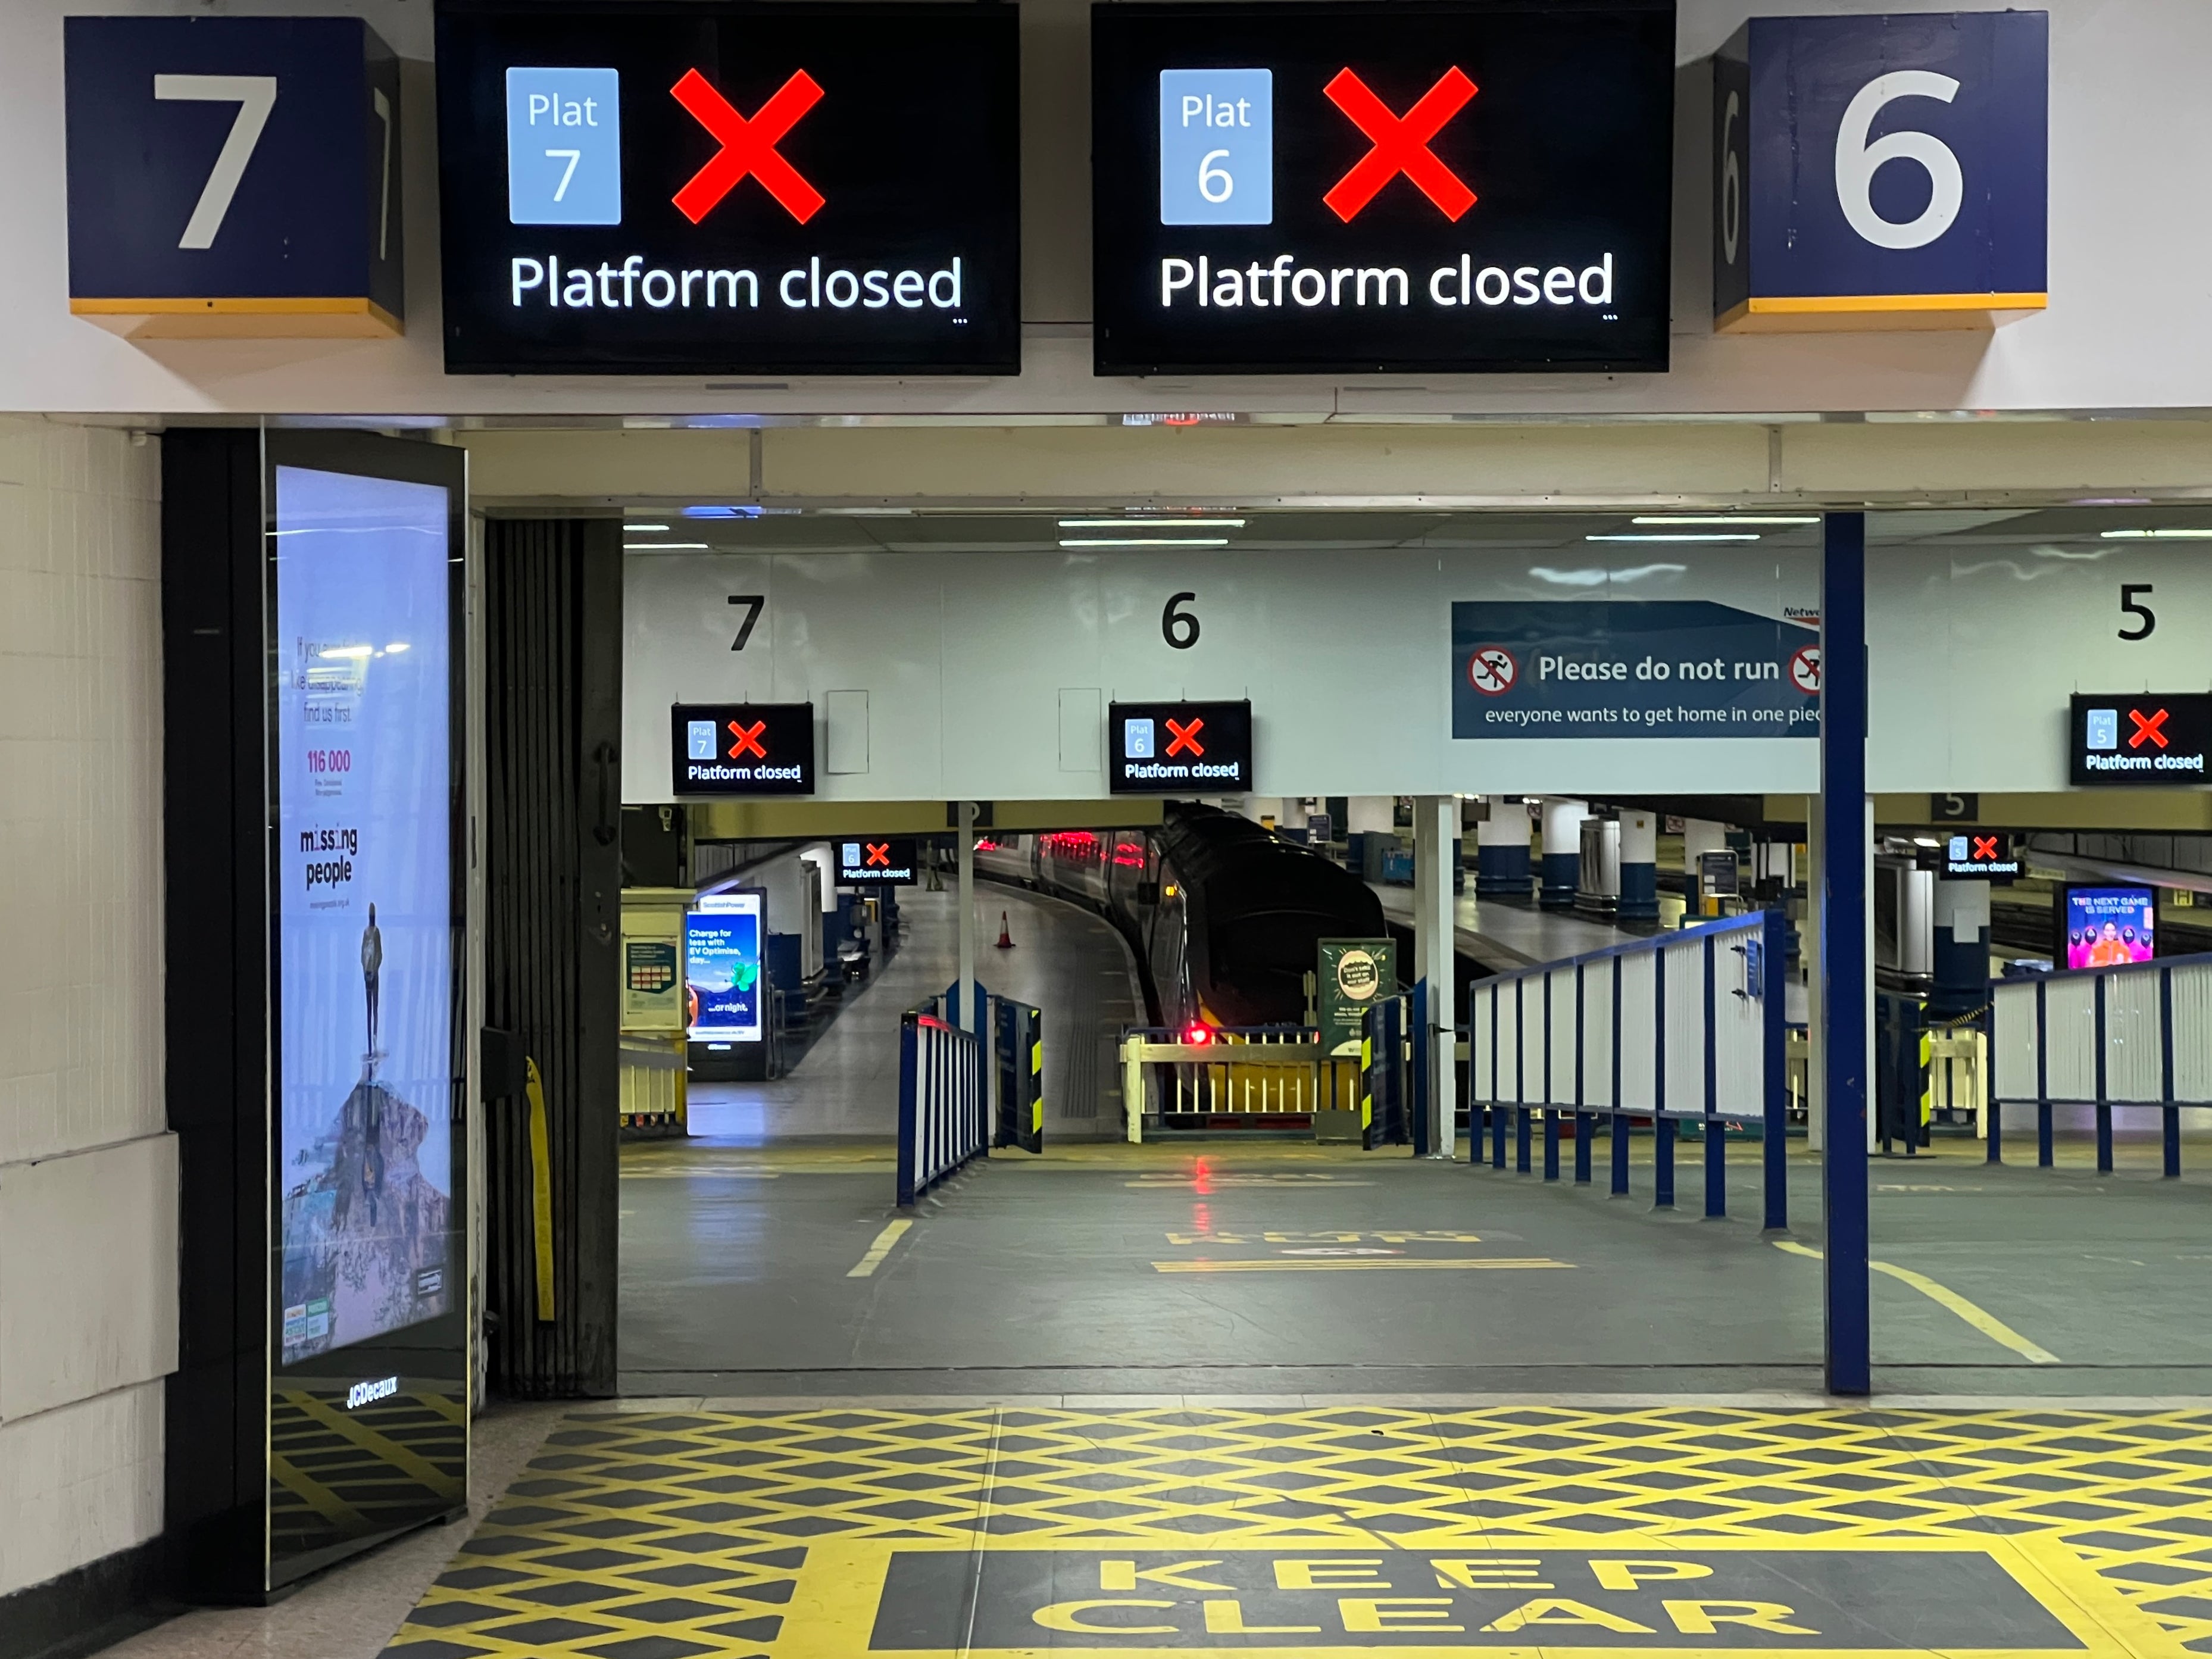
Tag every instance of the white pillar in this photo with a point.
(970, 1014)
(1436, 823)
(1561, 870)
(1640, 866)
(1701, 836)
(1370, 815)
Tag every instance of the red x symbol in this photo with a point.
(748, 146)
(748, 740)
(1185, 737)
(2147, 728)
(1401, 145)
(879, 852)
(1985, 849)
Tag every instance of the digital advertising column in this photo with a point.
(368, 1349)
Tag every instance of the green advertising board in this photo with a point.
(1351, 976)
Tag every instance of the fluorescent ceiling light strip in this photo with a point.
(1729, 517)
(1144, 541)
(2156, 535)
(1152, 524)
(648, 529)
(1701, 536)
(663, 547)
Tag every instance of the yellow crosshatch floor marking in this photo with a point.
(787, 1533)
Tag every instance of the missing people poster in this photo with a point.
(368, 1064)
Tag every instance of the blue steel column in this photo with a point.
(1845, 973)
(909, 1037)
(1774, 1079)
(1716, 1144)
(1584, 1120)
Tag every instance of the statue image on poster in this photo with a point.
(368, 1066)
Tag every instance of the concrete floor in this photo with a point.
(1107, 1268)
(1102, 1268)
(1115, 1301)
(1065, 961)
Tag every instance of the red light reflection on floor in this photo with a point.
(1202, 1180)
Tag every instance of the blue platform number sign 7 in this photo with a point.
(1217, 146)
(563, 146)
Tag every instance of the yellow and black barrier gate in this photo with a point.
(1018, 1053)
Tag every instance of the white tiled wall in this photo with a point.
(87, 1201)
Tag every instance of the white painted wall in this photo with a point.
(970, 659)
(2127, 328)
(88, 1170)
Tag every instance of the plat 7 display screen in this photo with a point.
(701, 189)
(1475, 186)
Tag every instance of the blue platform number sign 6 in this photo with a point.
(1217, 146)
(1932, 131)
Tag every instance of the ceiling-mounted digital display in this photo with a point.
(1179, 748)
(2157, 740)
(705, 188)
(876, 861)
(1452, 187)
(743, 748)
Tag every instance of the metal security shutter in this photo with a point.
(553, 928)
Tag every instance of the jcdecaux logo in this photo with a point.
(564, 167)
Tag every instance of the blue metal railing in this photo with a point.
(942, 1098)
(2133, 1033)
(1653, 1029)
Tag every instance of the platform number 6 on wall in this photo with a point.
(1857, 161)
(255, 96)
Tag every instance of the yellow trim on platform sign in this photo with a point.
(1873, 312)
(1827, 304)
(271, 316)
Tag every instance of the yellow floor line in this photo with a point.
(1980, 1318)
(1388, 1265)
(867, 1264)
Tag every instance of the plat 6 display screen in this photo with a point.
(694, 189)
(1470, 186)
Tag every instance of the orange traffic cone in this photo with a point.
(1005, 939)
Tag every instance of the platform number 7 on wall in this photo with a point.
(255, 96)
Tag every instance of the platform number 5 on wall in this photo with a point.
(255, 96)
(2132, 595)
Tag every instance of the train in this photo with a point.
(1222, 914)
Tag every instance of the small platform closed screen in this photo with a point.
(1188, 748)
(744, 749)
